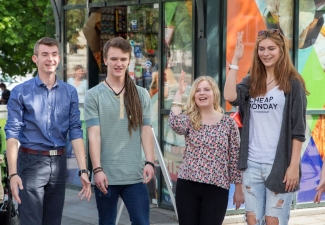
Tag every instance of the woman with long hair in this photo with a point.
(273, 98)
(211, 154)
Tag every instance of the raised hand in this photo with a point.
(239, 50)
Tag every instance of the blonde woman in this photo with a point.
(210, 158)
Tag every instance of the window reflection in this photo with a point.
(177, 48)
(177, 56)
(76, 51)
(76, 74)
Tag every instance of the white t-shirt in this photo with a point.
(265, 121)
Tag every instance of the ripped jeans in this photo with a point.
(259, 200)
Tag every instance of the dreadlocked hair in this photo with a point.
(132, 104)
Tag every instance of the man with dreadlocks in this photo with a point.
(117, 114)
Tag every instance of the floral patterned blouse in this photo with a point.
(211, 153)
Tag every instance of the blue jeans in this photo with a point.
(259, 199)
(135, 198)
(44, 179)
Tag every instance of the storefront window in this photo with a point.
(76, 75)
(142, 32)
(177, 56)
(177, 50)
(311, 65)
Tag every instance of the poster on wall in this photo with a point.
(251, 16)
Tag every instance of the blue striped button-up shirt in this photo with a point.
(41, 118)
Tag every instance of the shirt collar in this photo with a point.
(39, 82)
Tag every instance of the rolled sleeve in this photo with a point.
(75, 130)
(146, 109)
(91, 110)
(242, 90)
(14, 122)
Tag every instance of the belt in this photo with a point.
(42, 152)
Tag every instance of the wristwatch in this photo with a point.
(84, 171)
(233, 67)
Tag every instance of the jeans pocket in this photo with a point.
(23, 161)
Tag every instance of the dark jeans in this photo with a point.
(135, 198)
(42, 198)
(200, 204)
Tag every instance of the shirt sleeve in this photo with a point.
(235, 175)
(179, 123)
(91, 110)
(14, 122)
(299, 104)
(75, 130)
(146, 109)
(242, 90)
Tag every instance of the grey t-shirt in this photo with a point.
(121, 155)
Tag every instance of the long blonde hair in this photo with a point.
(193, 110)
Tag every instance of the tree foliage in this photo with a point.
(22, 23)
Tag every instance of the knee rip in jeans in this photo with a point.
(279, 204)
(252, 220)
(267, 218)
(249, 189)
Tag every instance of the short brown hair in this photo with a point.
(117, 42)
(45, 41)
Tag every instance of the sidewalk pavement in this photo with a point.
(81, 212)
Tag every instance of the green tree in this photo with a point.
(22, 23)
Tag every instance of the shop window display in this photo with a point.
(177, 54)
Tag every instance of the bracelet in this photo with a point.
(166, 84)
(150, 163)
(233, 67)
(97, 168)
(10, 176)
(177, 104)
